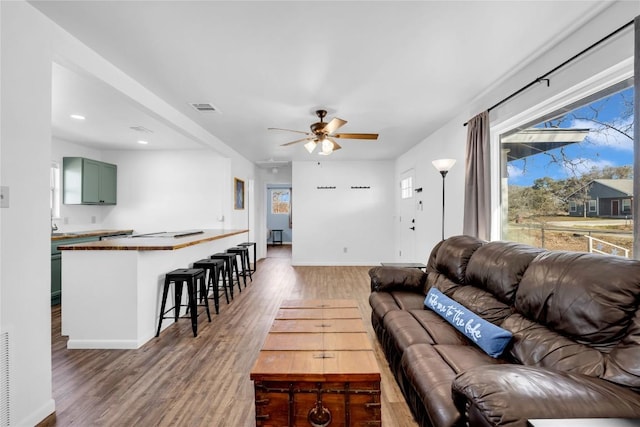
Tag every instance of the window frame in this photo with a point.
(406, 192)
(618, 75)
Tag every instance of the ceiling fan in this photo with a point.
(324, 134)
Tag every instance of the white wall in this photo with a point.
(168, 190)
(450, 140)
(25, 267)
(327, 221)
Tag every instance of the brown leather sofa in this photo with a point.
(575, 351)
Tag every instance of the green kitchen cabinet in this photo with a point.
(88, 182)
(56, 278)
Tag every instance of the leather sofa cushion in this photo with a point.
(510, 394)
(536, 345)
(431, 377)
(482, 303)
(498, 267)
(396, 278)
(587, 297)
(453, 256)
(430, 369)
(383, 302)
(461, 359)
(404, 330)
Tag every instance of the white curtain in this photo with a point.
(477, 193)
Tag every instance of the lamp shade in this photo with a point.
(443, 165)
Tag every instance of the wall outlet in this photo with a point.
(220, 218)
(66, 220)
(93, 219)
(4, 197)
(344, 250)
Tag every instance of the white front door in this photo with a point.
(407, 217)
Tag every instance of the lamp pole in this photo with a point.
(444, 174)
(443, 166)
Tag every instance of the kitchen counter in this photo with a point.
(89, 233)
(164, 241)
(113, 288)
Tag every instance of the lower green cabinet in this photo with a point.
(56, 278)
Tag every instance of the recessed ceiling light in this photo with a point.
(143, 142)
(77, 117)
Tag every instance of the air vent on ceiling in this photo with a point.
(204, 107)
(140, 129)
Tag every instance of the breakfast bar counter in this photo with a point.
(113, 288)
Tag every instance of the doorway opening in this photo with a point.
(279, 220)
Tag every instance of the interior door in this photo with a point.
(407, 218)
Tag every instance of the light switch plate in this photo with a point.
(4, 197)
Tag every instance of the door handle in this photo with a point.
(412, 228)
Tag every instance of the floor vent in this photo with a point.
(5, 383)
(204, 108)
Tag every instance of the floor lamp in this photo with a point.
(443, 166)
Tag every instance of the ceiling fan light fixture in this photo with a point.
(327, 147)
(310, 146)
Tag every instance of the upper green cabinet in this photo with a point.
(88, 182)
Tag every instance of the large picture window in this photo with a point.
(568, 177)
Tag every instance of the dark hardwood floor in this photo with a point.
(179, 380)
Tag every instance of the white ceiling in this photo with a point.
(399, 69)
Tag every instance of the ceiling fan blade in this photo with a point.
(290, 130)
(334, 125)
(336, 146)
(356, 135)
(296, 141)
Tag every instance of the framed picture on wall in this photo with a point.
(238, 194)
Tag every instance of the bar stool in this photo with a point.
(230, 263)
(243, 253)
(190, 276)
(255, 260)
(215, 270)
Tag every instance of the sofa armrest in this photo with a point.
(386, 279)
(511, 394)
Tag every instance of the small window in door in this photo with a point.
(406, 187)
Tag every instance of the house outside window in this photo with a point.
(593, 205)
(626, 205)
(572, 206)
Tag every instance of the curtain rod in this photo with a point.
(544, 78)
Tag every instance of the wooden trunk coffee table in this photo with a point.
(317, 368)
